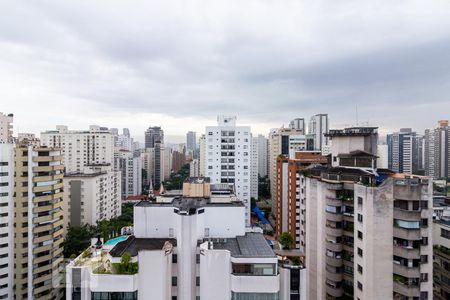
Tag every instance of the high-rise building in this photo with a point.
(6, 126)
(299, 124)
(318, 128)
(159, 165)
(125, 141)
(254, 168)
(194, 168)
(437, 151)
(290, 206)
(263, 155)
(81, 148)
(383, 157)
(202, 154)
(368, 231)
(92, 195)
(130, 166)
(191, 141)
(6, 220)
(153, 135)
(441, 261)
(29, 139)
(178, 159)
(39, 223)
(193, 246)
(228, 157)
(280, 143)
(405, 151)
(148, 166)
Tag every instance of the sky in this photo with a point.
(178, 64)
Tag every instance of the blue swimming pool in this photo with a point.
(114, 241)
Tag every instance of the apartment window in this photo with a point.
(174, 281)
(423, 295)
(360, 218)
(197, 258)
(360, 201)
(360, 269)
(360, 235)
(360, 286)
(197, 281)
(445, 233)
(424, 259)
(423, 277)
(174, 258)
(360, 252)
(424, 222)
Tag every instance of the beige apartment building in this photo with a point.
(92, 195)
(368, 230)
(39, 223)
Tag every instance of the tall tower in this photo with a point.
(153, 135)
(39, 219)
(228, 157)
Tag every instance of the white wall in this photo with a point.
(154, 275)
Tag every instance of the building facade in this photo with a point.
(318, 128)
(368, 230)
(39, 219)
(153, 135)
(6, 221)
(193, 246)
(441, 254)
(437, 151)
(92, 195)
(6, 128)
(228, 157)
(254, 168)
(405, 152)
(263, 155)
(290, 203)
(81, 148)
(130, 166)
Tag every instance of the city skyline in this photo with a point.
(177, 64)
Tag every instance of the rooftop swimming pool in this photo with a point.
(114, 241)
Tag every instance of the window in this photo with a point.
(445, 233)
(197, 281)
(254, 269)
(360, 252)
(197, 258)
(360, 286)
(360, 201)
(174, 258)
(423, 277)
(174, 281)
(360, 218)
(424, 222)
(360, 269)
(424, 259)
(360, 235)
(425, 241)
(406, 224)
(423, 295)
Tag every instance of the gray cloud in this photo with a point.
(123, 62)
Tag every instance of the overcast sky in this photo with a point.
(180, 63)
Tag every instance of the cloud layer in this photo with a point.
(180, 63)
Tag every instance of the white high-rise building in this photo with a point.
(254, 168)
(194, 168)
(6, 221)
(148, 164)
(263, 152)
(188, 247)
(6, 125)
(228, 157)
(81, 148)
(299, 124)
(382, 161)
(125, 141)
(318, 127)
(92, 195)
(131, 168)
(202, 154)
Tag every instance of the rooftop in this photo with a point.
(352, 131)
(249, 245)
(186, 203)
(133, 245)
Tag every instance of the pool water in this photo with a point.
(114, 241)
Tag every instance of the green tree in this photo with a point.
(286, 240)
(78, 239)
(175, 182)
(263, 187)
